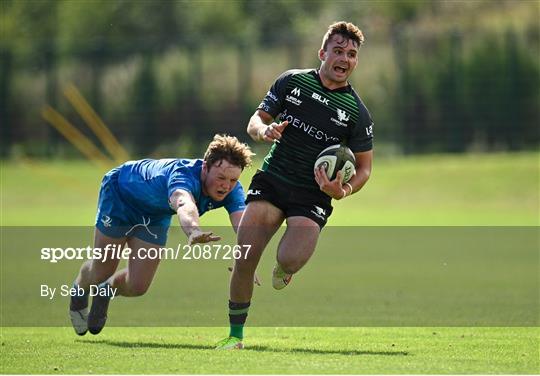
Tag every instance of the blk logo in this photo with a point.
(320, 98)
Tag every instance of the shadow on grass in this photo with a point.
(153, 345)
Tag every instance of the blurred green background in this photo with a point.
(438, 76)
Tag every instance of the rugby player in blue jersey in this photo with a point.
(136, 202)
(304, 112)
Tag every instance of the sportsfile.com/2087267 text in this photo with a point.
(181, 252)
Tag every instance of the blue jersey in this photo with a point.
(147, 184)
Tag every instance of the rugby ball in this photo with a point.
(337, 158)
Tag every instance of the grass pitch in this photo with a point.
(273, 351)
(468, 190)
(465, 190)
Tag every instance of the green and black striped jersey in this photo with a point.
(317, 117)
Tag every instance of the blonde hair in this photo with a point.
(347, 30)
(229, 148)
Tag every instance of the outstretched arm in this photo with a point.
(188, 215)
(235, 219)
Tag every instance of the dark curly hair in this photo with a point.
(347, 30)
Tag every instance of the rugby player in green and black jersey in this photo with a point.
(304, 112)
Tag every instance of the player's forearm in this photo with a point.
(235, 219)
(364, 162)
(358, 180)
(188, 216)
(186, 211)
(256, 127)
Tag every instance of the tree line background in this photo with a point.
(437, 76)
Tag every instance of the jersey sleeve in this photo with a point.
(361, 138)
(182, 179)
(235, 200)
(273, 102)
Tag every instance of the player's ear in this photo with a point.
(322, 54)
(204, 168)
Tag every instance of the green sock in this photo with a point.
(237, 318)
(237, 331)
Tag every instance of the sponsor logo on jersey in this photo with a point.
(292, 99)
(320, 98)
(253, 192)
(369, 130)
(342, 118)
(319, 212)
(106, 220)
(342, 115)
(310, 130)
(272, 96)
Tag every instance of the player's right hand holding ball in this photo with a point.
(333, 188)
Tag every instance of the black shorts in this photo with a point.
(292, 200)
